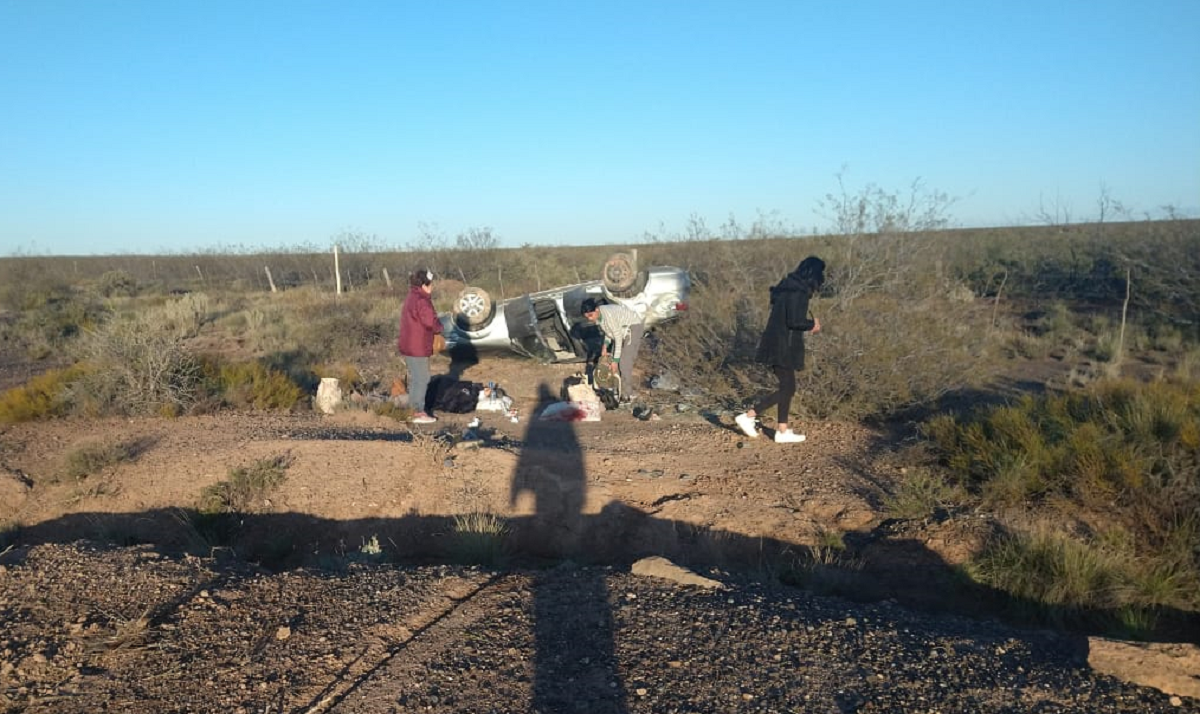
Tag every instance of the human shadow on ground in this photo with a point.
(575, 668)
(576, 662)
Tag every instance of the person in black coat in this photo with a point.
(782, 345)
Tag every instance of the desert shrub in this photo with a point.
(898, 328)
(921, 493)
(262, 327)
(186, 314)
(46, 396)
(254, 384)
(479, 539)
(116, 283)
(710, 348)
(880, 354)
(49, 320)
(139, 366)
(343, 327)
(91, 458)
(393, 411)
(347, 375)
(247, 488)
(881, 348)
(1118, 436)
(1055, 323)
(1091, 263)
(1117, 467)
(1102, 582)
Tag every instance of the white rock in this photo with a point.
(329, 395)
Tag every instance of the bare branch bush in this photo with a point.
(139, 366)
(897, 327)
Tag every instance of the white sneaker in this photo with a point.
(746, 423)
(788, 437)
(423, 418)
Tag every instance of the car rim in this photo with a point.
(471, 305)
(619, 273)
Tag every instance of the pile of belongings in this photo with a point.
(580, 403)
(447, 394)
(493, 399)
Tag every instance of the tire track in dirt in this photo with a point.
(427, 632)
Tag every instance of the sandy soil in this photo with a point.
(362, 475)
(335, 626)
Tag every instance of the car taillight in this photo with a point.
(680, 306)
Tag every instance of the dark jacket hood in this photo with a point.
(790, 283)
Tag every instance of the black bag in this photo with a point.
(446, 394)
(608, 398)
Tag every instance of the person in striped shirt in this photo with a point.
(622, 330)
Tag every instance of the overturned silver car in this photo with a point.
(547, 325)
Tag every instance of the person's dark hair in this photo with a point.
(811, 272)
(588, 305)
(424, 276)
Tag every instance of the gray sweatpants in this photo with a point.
(629, 352)
(418, 381)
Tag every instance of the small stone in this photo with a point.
(642, 691)
(1176, 702)
(283, 633)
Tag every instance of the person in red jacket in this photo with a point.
(418, 324)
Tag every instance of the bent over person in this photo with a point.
(418, 324)
(622, 330)
(782, 345)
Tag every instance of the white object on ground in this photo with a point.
(329, 395)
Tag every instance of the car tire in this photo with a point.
(473, 308)
(621, 277)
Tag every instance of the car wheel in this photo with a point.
(620, 275)
(473, 308)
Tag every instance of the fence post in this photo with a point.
(337, 270)
(1124, 313)
(269, 278)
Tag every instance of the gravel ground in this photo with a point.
(85, 629)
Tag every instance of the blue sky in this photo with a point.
(176, 125)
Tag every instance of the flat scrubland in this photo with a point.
(1027, 400)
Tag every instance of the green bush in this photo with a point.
(46, 396)
(1116, 468)
(253, 384)
(1075, 582)
(920, 493)
(89, 459)
(246, 488)
(479, 539)
(392, 411)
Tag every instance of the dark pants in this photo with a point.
(782, 396)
